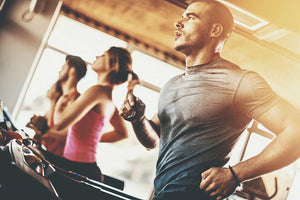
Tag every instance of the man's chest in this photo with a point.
(202, 98)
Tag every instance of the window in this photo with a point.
(152, 70)
(76, 38)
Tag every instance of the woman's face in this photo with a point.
(101, 63)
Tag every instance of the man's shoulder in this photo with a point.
(230, 69)
(236, 70)
(226, 64)
(174, 78)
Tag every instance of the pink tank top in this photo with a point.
(83, 138)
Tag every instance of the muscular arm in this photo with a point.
(283, 120)
(147, 131)
(283, 150)
(280, 117)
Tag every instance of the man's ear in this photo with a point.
(216, 30)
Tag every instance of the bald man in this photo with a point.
(202, 113)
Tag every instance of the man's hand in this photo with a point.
(7, 136)
(38, 124)
(218, 182)
(133, 109)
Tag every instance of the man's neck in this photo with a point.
(68, 87)
(201, 58)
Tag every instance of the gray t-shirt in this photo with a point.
(202, 113)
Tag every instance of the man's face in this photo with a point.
(63, 73)
(192, 30)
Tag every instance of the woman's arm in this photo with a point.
(50, 115)
(61, 134)
(79, 108)
(120, 130)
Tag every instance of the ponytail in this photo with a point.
(120, 60)
(133, 80)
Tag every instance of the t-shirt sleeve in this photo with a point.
(254, 96)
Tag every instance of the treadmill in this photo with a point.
(26, 174)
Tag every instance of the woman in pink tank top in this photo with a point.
(92, 110)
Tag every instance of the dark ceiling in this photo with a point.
(152, 21)
(285, 14)
(272, 50)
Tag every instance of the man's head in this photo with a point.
(74, 65)
(204, 23)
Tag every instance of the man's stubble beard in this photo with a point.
(64, 78)
(180, 48)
